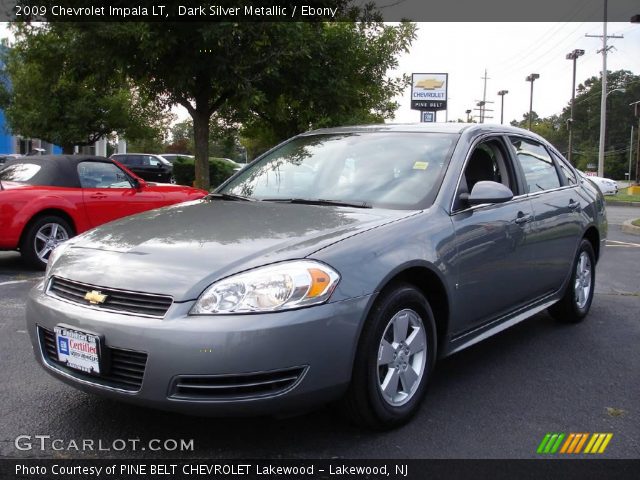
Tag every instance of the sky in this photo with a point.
(509, 51)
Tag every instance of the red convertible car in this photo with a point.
(46, 200)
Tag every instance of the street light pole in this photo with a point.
(573, 56)
(502, 93)
(531, 78)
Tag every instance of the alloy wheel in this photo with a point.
(402, 356)
(582, 286)
(48, 237)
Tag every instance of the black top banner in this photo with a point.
(318, 10)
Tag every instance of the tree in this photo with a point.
(337, 75)
(48, 91)
(234, 70)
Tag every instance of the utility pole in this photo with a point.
(482, 104)
(502, 93)
(482, 111)
(603, 99)
(531, 78)
(636, 111)
(573, 56)
(630, 155)
(484, 93)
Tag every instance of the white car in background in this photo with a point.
(606, 185)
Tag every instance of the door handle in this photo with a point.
(573, 205)
(523, 218)
(98, 195)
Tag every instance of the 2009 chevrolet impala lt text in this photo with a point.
(338, 266)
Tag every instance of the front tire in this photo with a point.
(574, 306)
(41, 237)
(393, 364)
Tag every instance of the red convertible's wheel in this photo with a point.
(41, 237)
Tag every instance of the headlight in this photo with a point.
(282, 286)
(53, 257)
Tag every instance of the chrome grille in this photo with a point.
(240, 386)
(138, 303)
(124, 369)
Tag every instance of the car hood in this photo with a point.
(181, 249)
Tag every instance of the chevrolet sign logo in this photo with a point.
(94, 297)
(429, 84)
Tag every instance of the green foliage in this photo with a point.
(184, 171)
(335, 74)
(50, 91)
(276, 78)
(146, 145)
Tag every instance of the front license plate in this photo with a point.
(79, 350)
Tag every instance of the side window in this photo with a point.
(539, 170)
(132, 160)
(151, 161)
(487, 162)
(566, 171)
(102, 175)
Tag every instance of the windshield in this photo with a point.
(387, 170)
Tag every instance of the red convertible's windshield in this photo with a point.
(388, 170)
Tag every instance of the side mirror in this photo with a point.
(488, 192)
(139, 184)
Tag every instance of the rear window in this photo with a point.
(19, 172)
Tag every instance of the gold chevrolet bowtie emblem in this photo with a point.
(94, 297)
(430, 83)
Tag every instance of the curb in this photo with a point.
(615, 203)
(628, 227)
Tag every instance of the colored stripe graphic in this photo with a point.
(565, 447)
(543, 443)
(583, 439)
(550, 443)
(598, 443)
(603, 447)
(572, 443)
(555, 447)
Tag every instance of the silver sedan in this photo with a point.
(336, 267)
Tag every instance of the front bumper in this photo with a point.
(318, 343)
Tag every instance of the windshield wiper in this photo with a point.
(319, 201)
(229, 196)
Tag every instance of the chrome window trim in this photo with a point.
(515, 198)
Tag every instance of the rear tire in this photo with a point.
(574, 306)
(41, 237)
(393, 364)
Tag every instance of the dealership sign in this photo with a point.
(429, 91)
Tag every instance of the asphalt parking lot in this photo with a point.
(495, 400)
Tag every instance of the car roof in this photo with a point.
(448, 127)
(56, 170)
(57, 159)
(136, 153)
